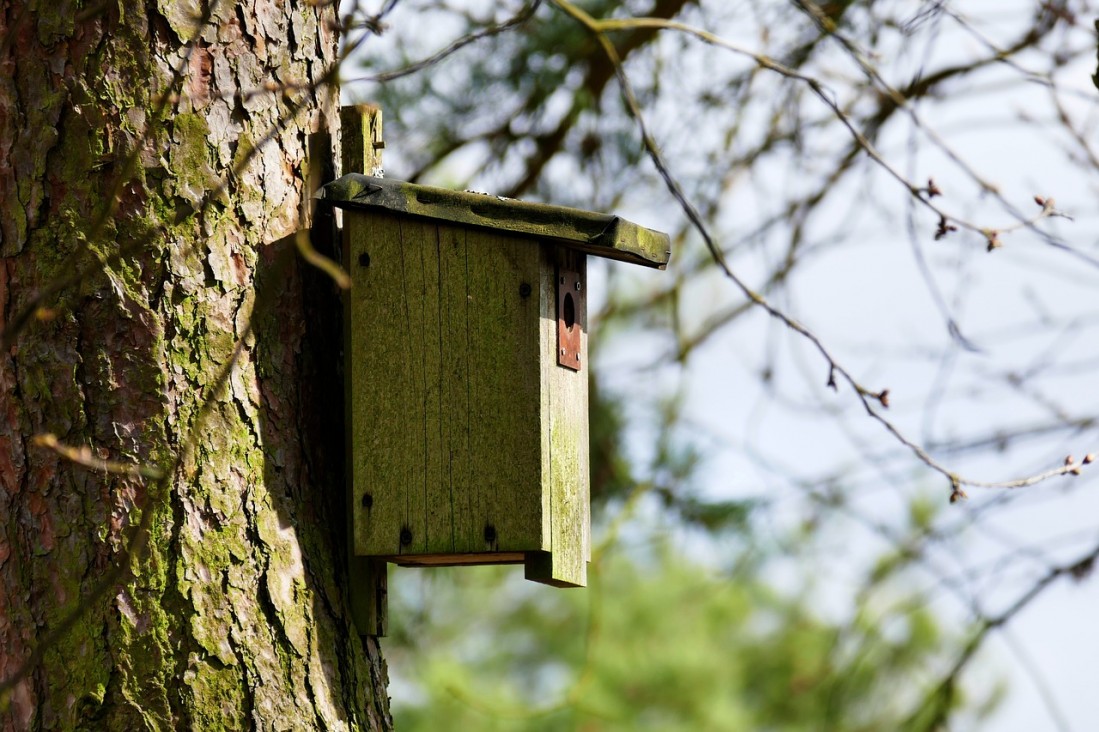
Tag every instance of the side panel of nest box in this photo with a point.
(469, 442)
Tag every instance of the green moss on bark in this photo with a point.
(215, 626)
(220, 701)
(191, 160)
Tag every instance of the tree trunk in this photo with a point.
(156, 320)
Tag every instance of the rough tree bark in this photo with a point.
(152, 169)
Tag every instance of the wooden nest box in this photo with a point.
(466, 347)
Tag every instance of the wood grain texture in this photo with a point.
(564, 413)
(600, 235)
(448, 421)
(361, 139)
(368, 580)
(463, 426)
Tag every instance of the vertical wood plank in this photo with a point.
(458, 492)
(564, 405)
(432, 530)
(374, 247)
(360, 152)
(361, 141)
(502, 326)
(386, 371)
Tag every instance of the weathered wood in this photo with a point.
(504, 391)
(599, 234)
(361, 152)
(564, 414)
(444, 354)
(469, 442)
(457, 393)
(469, 420)
(361, 141)
(460, 560)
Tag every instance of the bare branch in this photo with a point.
(600, 28)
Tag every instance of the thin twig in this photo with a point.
(867, 397)
(524, 14)
(83, 456)
(941, 697)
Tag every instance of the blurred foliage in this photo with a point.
(671, 471)
(663, 644)
(665, 638)
(714, 601)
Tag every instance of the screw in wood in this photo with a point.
(524, 289)
(490, 534)
(364, 260)
(406, 536)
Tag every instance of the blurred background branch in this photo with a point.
(895, 180)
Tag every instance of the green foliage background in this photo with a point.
(743, 612)
(681, 628)
(661, 644)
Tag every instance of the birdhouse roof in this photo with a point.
(599, 234)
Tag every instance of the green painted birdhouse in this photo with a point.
(466, 346)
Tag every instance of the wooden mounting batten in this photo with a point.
(361, 146)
